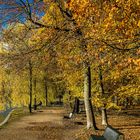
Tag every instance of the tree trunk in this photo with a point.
(116, 99)
(87, 99)
(30, 92)
(76, 106)
(70, 104)
(46, 90)
(35, 107)
(35, 104)
(104, 116)
(126, 103)
(103, 109)
(9, 92)
(3, 91)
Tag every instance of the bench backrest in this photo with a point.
(112, 134)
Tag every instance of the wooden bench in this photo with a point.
(109, 134)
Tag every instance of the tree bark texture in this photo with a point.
(87, 99)
(103, 109)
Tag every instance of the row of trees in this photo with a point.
(87, 48)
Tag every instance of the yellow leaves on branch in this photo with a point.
(128, 91)
(53, 15)
(78, 4)
(82, 10)
(136, 62)
(139, 23)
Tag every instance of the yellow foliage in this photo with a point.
(139, 23)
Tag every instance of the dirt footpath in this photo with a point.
(46, 124)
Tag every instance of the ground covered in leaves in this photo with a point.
(126, 121)
(50, 124)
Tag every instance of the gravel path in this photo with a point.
(43, 125)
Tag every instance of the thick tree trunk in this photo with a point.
(104, 116)
(30, 86)
(103, 109)
(87, 98)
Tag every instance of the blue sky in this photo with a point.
(9, 11)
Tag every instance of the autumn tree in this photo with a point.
(92, 26)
